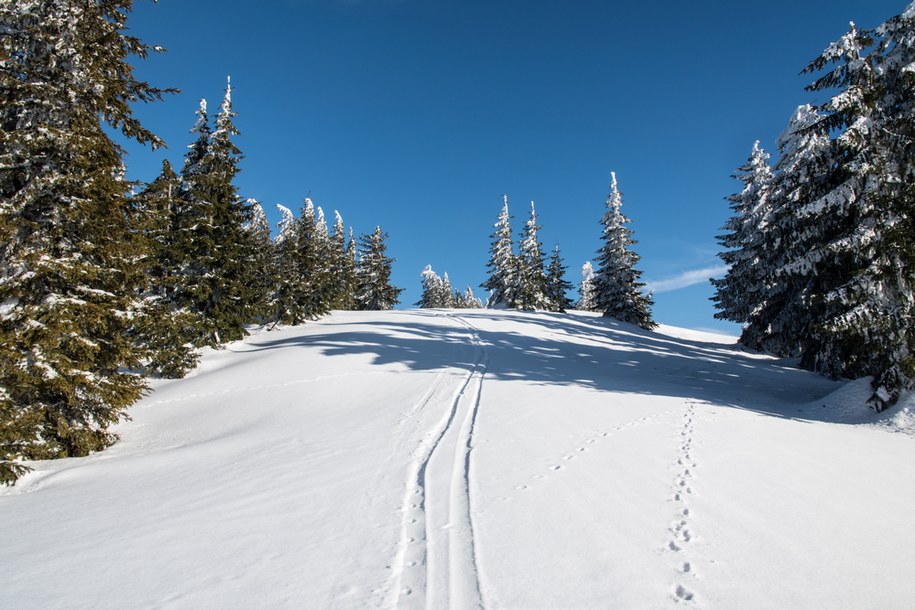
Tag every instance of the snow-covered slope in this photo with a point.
(475, 458)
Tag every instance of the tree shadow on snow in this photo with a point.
(574, 350)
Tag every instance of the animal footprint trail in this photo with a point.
(681, 532)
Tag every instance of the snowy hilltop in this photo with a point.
(477, 458)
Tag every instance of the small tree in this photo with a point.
(586, 298)
(532, 282)
(374, 290)
(556, 284)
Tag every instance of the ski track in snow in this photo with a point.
(681, 530)
(435, 565)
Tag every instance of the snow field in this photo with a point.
(431, 459)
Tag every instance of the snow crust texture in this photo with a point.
(477, 459)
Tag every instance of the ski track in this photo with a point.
(435, 565)
(681, 530)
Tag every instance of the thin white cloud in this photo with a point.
(687, 278)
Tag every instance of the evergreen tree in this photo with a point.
(338, 266)
(447, 296)
(218, 282)
(433, 289)
(161, 326)
(617, 287)
(350, 280)
(502, 281)
(556, 284)
(289, 284)
(531, 278)
(374, 290)
(69, 271)
(263, 257)
(468, 300)
(742, 289)
(586, 298)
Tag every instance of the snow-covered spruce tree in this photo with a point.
(337, 263)
(617, 289)
(556, 284)
(502, 281)
(531, 278)
(324, 281)
(468, 300)
(743, 287)
(804, 172)
(863, 315)
(218, 276)
(586, 298)
(161, 326)
(264, 272)
(69, 274)
(374, 290)
(288, 284)
(310, 263)
(448, 299)
(349, 279)
(433, 288)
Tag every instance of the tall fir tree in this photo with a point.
(219, 253)
(557, 286)
(743, 287)
(502, 281)
(617, 288)
(69, 271)
(338, 263)
(350, 279)
(531, 282)
(374, 290)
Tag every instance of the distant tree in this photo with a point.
(467, 300)
(617, 288)
(263, 258)
(70, 272)
(374, 290)
(338, 264)
(349, 277)
(502, 280)
(433, 290)
(586, 298)
(532, 288)
(556, 284)
(289, 284)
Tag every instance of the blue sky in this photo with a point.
(419, 114)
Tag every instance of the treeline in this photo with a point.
(101, 286)
(524, 280)
(821, 246)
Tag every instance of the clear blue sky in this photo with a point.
(419, 114)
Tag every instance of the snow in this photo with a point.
(465, 458)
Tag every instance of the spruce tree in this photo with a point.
(502, 280)
(263, 258)
(374, 290)
(338, 265)
(349, 278)
(586, 298)
(161, 326)
(285, 304)
(531, 278)
(432, 289)
(617, 288)
(556, 284)
(742, 289)
(69, 271)
(219, 253)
